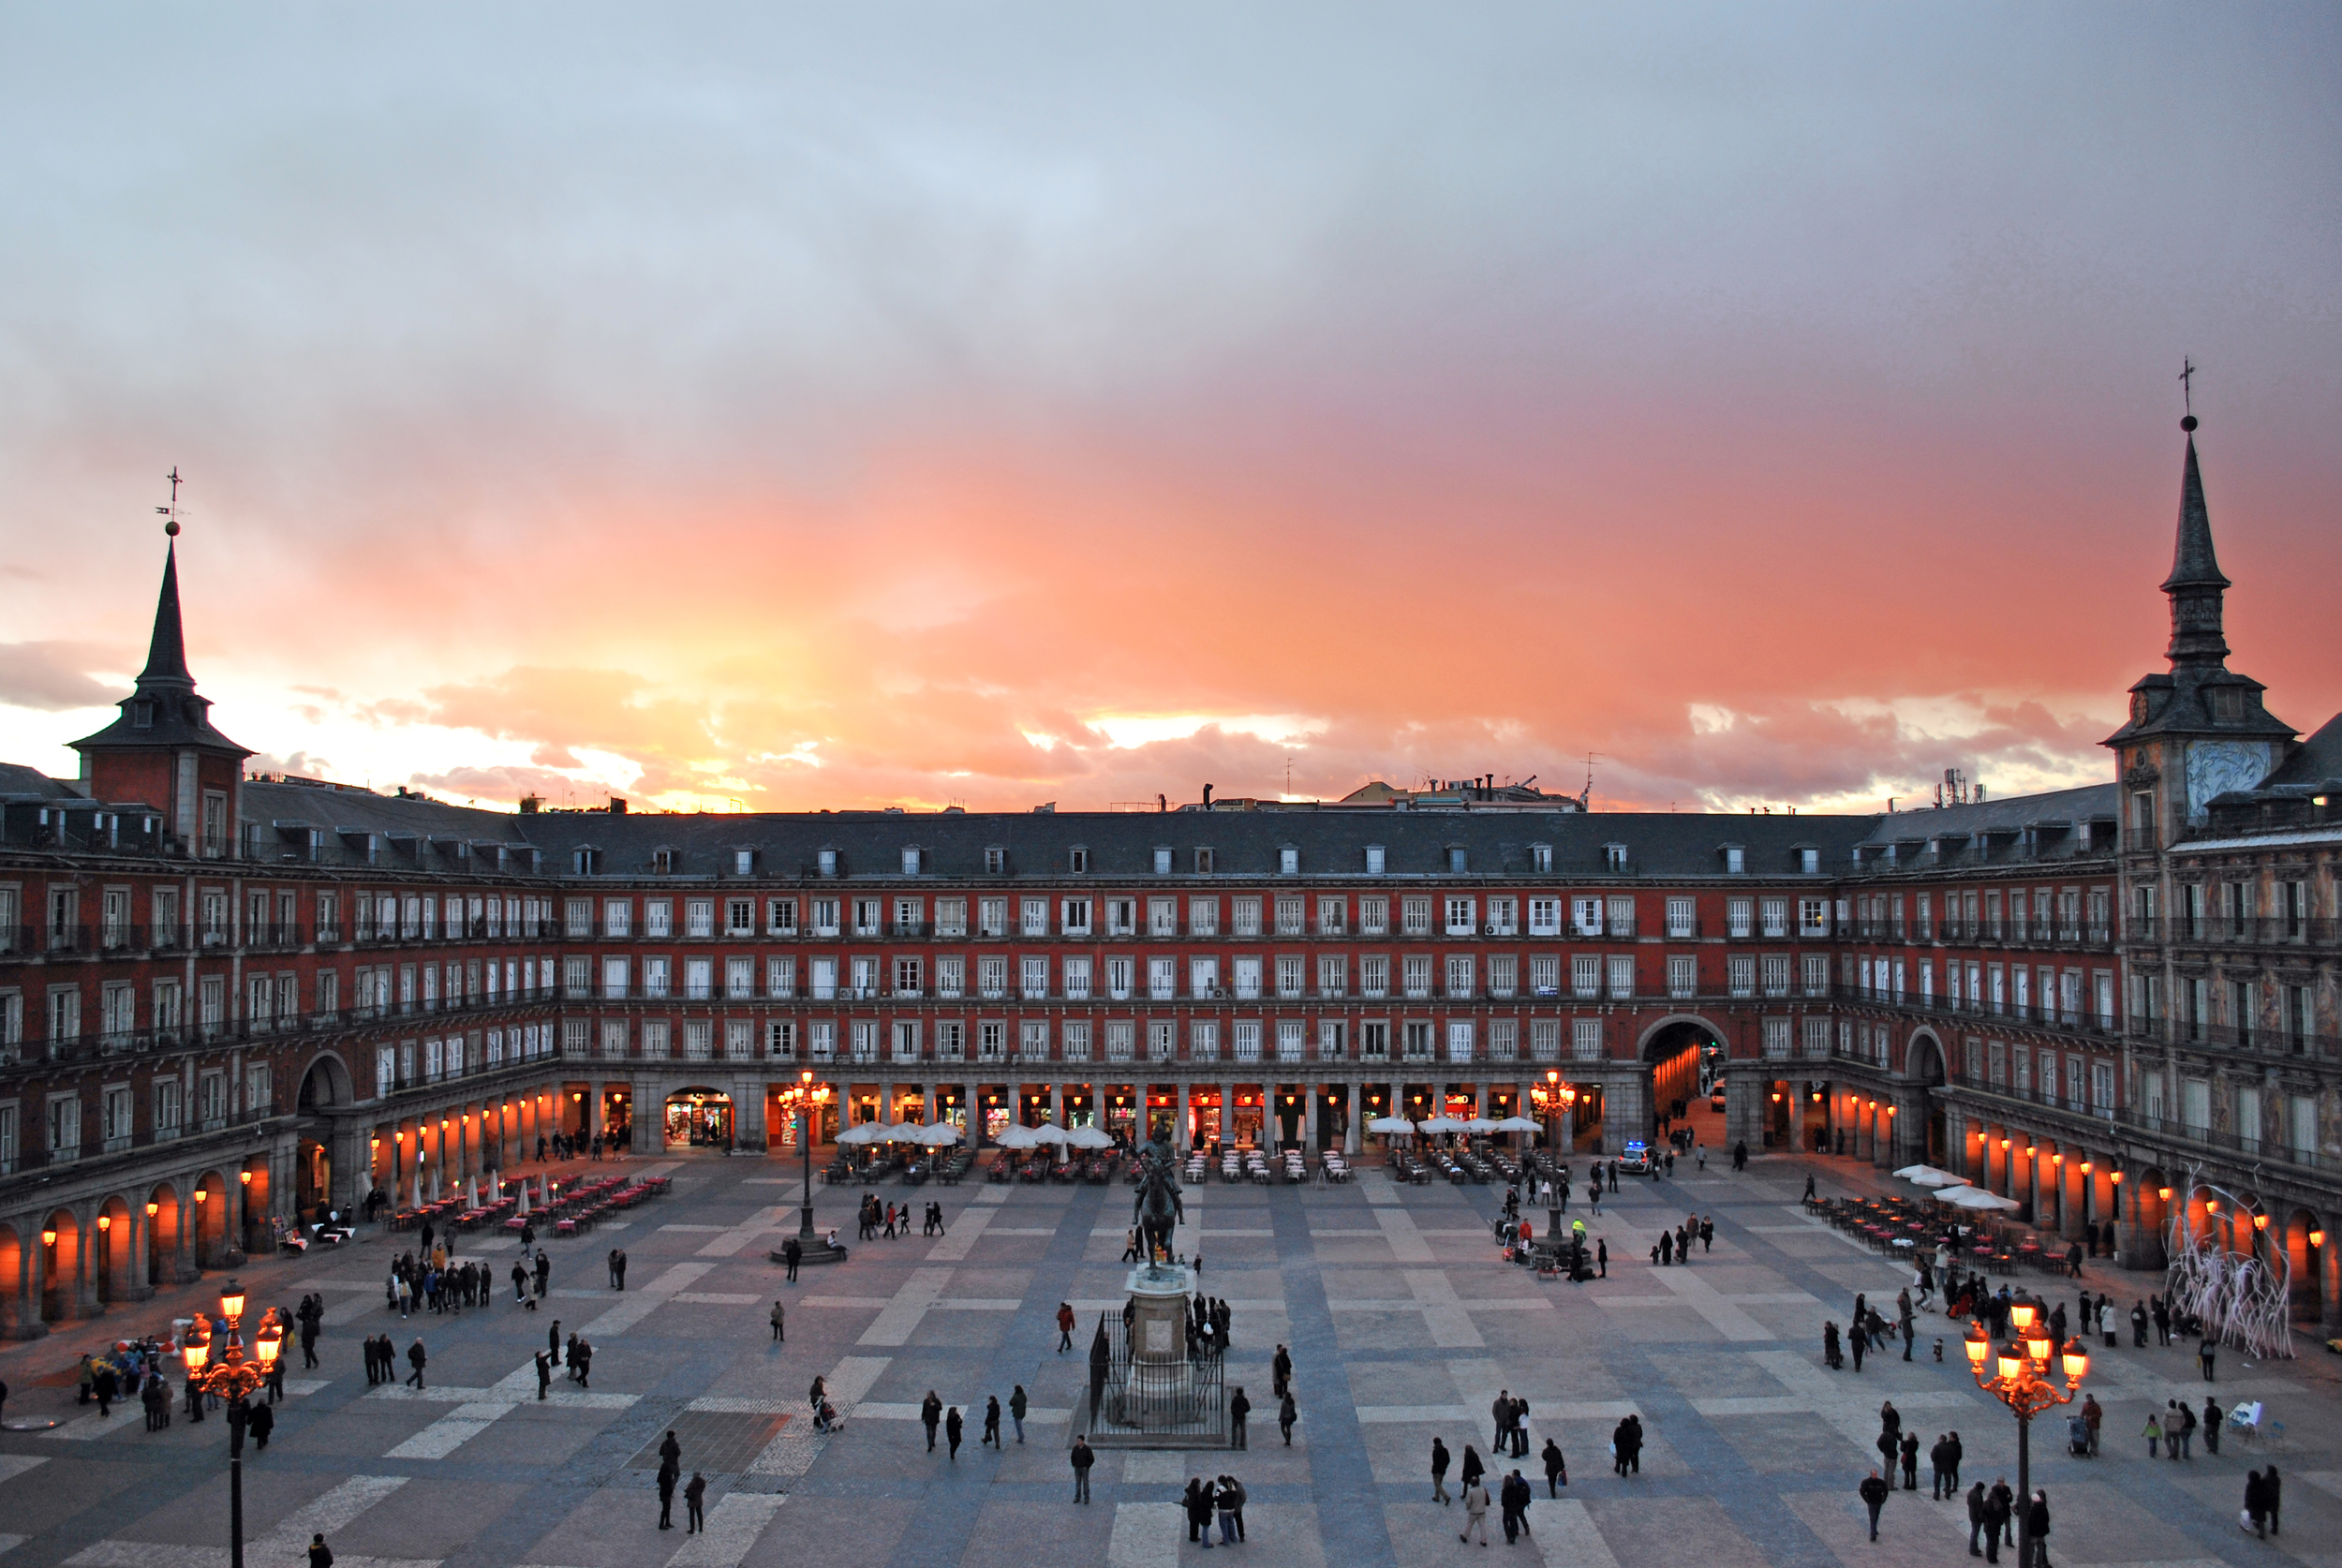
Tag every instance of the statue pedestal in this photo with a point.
(1159, 1311)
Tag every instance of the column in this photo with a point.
(1227, 1114)
(929, 1114)
(1797, 1121)
(1057, 1102)
(1309, 1118)
(969, 1104)
(1352, 1103)
(593, 1112)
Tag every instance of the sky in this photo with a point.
(755, 407)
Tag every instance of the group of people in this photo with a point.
(1514, 1492)
(571, 1145)
(892, 1222)
(382, 1360)
(1222, 1497)
(436, 1283)
(933, 1415)
(2170, 1433)
(694, 1495)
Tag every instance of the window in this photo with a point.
(1203, 863)
(1033, 917)
(1777, 1038)
(1162, 917)
(1816, 973)
(1775, 914)
(1374, 861)
(1504, 968)
(1682, 975)
(992, 1041)
(1333, 975)
(1545, 917)
(1163, 861)
(908, 976)
(1585, 975)
(1614, 856)
(1415, 1040)
(910, 861)
(1374, 917)
(1289, 974)
(1203, 917)
(1373, 975)
(1289, 917)
(1203, 1039)
(1203, 976)
(1333, 916)
(1162, 978)
(1812, 917)
(1459, 917)
(1809, 861)
(1545, 974)
(992, 917)
(1461, 968)
(1621, 915)
(1735, 860)
(1415, 974)
(1077, 862)
(906, 1038)
(951, 1039)
(781, 917)
(1541, 857)
(1118, 977)
(1585, 1039)
(1374, 1040)
(1121, 917)
(1740, 974)
(1622, 977)
(1288, 861)
(1033, 978)
(995, 861)
(617, 917)
(1681, 922)
(1415, 916)
(991, 978)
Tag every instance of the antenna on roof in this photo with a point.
(171, 511)
(1585, 801)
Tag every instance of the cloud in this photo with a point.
(53, 676)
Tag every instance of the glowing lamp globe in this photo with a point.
(2021, 1316)
(231, 1301)
(2012, 1363)
(2077, 1360)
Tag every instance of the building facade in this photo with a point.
(225, 1002)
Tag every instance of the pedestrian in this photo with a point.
(813, 1397)
(1910, 1462)
(544, 1375)
(2211, 1428)
(1281, 1368)
(778, 1336)
(694, 1496)
(2204, 1355)
(1602, 1254)
(104, 1386)
(1286, 1415)
(1231, 1503)
(991, 1422)
(1857, 1340)
(1239, 1408)
(613, 1261)
(1439, 1473)
(1556, 1468)
(2273, 1492)
(1083, 1459)
(1939, 1471)
(2093, 1415)
(667, 1479)
(320, 1555)
(1874, 1493)
(258, 1423)
(2036, 1530)
(1979, 1511)
(416, 1359)
(2256, 1516)
(2154, 1434)
(930, 1413)
(1629, 1441)
(1198, 1504)
(1476, 1501)
(792, 1251)
(1018, 1405)
(953, 1427)
(1064, 1326)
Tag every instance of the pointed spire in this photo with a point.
(166, 652)
(2195, 585)
(2193, 564)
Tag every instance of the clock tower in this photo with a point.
(2200, 730)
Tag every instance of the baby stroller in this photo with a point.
(2078, 1437)
(825, 1419)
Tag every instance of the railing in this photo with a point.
(32, 1157)
(2236, 931)
(1153, 1399)
(2274, 1042)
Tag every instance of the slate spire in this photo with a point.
(2195, 587)
(166, 651)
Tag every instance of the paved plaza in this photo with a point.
(1402, 1320)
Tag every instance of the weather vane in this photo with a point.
(171, 511)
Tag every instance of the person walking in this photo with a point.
(416, 1359)
(2272, 1493)
(1938, 1465)
(613, 1261)
(2204, 1352)
(991, 1423)
(1287, 1414)
(1018, 1405)
(2036, 1530)
(582, 1359)
(2256, 1506)
(667, 1478)
(1083, 1459)
(1476, 1501)
(544, 1375)
(320, 1555)
(2212, 1419)
(1978, 1513)
(931, 1414)
(1601, 1251)
(1439, 1473)
(621, 1268)
(1556, 1468)
(259, 1423)
(1515, 1496)
(694, 1496)
(1239, 1408)
(2093, 1416)
(792, 1253)
(780, 1334)
(1064, 1326)
(2153, 1432)
(1280, 1369)
(1874, 1493)
(952, 1429)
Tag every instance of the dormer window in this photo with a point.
(1374, 861)
(2228, 702)
(995, 861)
(1614, 857)
(1289, 862)
(1809, 861)
(662, 861)
(743, 862)
(1077, 861)
(1540, 857)
(828, 862)
(143, 715)
(1735, 861)
(583, 863)
(1458, 862)
(1163, 861)
(911, 861)
(1203, 863)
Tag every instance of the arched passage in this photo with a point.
(116, 1265)
(210, 1235)
(1670, 1052)
(2308, 1298)
(1924, 1065)
(14, 1261)
(164, 1242)
(701, 1117)
(60, 1265)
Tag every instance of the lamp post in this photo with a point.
(2019, 1376)
(802, 1101)
(235, 1378)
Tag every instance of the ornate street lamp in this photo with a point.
(2020, 1375)
(803, 1101)
(235, 1378)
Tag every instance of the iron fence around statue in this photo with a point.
(1140, 1403)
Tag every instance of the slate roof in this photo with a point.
(165, 692)
(2015, 830)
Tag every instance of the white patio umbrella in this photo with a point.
(1020, 1137)
(1089, 1137)
(1050, 1132)
(523, 1208)
(471, 1192)
(1390, 1124)
(1975, 1197)
(941, 1134)
(1520, 1124)
(862, 1132)
(1479, 1124)
(1928, 1176)
(903, 1132)
(1442, 1124)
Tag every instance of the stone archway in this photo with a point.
(62, 1265)
(168, 1259)
(116, 1267)
(210, 1235)
(1668, 1055)
(1926, 1068)
(20, 1315)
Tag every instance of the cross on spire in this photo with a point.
(2187, 390)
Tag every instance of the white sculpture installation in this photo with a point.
(2242, 1298)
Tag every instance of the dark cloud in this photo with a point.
(53, 676)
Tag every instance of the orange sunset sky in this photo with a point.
(994, 405)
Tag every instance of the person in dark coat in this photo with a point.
(320, 1555)
(1239, 1408)
(1556, 1469)
(953, 1429)
(416, 1359)
(1515, 1497)
(991, 1422)
(694, 1496)
(667, 1478)
(1439, 1473)
(259, 1423)
(1287, 1414)
(931, 1414)
(2272, 1491)
(1979, 1512)
(1472, 1468)
(2036, 1530)
(1873, 1491)
(1082, 1458)
(544, 1375)
(1910, 1462)
(671, 1453)
(1198, 1502)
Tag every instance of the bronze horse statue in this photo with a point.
(1157, 1208)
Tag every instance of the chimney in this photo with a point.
(1206, 797)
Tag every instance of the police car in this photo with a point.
(1636, 1161)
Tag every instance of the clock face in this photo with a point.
(2217, 766)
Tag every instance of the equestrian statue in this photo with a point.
(1157, 1208)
